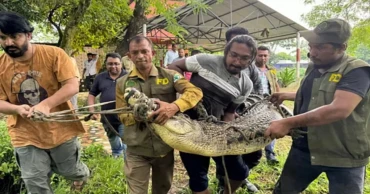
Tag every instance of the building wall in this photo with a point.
(81, 57)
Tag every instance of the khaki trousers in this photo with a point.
(137, 170)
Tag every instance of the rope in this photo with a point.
(226, 175)
(73, 114)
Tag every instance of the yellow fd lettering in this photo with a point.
(163, 81)
(335, 77)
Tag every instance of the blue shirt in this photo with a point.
(170, 56)
(106, 86)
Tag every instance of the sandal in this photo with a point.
(78, 185)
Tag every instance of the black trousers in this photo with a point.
(251, 160)
(89, 80)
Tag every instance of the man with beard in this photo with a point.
(251, 70)
(225, 86)
(105, 84)
(251, 159)
(146, 151)
(41, 148)
(332, 105)
(269, 86)
(181, 55)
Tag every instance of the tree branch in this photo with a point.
(137, 20)
(50, 19)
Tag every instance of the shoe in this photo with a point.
(78, 185)
(250, 186)
(271, 159)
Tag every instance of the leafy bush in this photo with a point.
(107, 172)
(286, 76)
(9, 172)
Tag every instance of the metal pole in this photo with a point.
(144, 30)
(298, 56)
(231, 13)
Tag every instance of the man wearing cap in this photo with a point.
(332, 105)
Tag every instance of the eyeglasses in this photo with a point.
(113, 64)
(242, 59)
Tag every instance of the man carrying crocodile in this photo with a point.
(145, 151)
(224, 87)
(332, 105)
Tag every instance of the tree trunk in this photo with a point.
(134, 26)
(71, 27)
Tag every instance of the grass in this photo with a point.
(263, 175)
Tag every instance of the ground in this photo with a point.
(264, 175)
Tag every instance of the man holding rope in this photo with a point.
(38, 78)
(145, 150)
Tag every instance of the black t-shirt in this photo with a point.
(106, 86)
(356, 81)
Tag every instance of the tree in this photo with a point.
(157, 7)
(76, 23)
(275, 57)
(354, 11)
(98, 23)
(288, 44)
(363, 52)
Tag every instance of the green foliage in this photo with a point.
(161, 7)
(355, 12)
(286, 76)
(363, 52)
(108, 176)
(79, 22)
(102, 23)
(359, 40)
(274, 58)
(9, 172)
(23, 7)
(107, 173)
(42, 34)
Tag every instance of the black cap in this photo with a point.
(329, 31)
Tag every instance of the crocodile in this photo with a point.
(208, 136)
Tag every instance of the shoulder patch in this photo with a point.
(176, 77)
(130, 83)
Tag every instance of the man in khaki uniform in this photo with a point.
(144, 149)
(332, 105)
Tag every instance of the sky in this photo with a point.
(292, 9)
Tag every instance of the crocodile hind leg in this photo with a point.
(203, 115)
